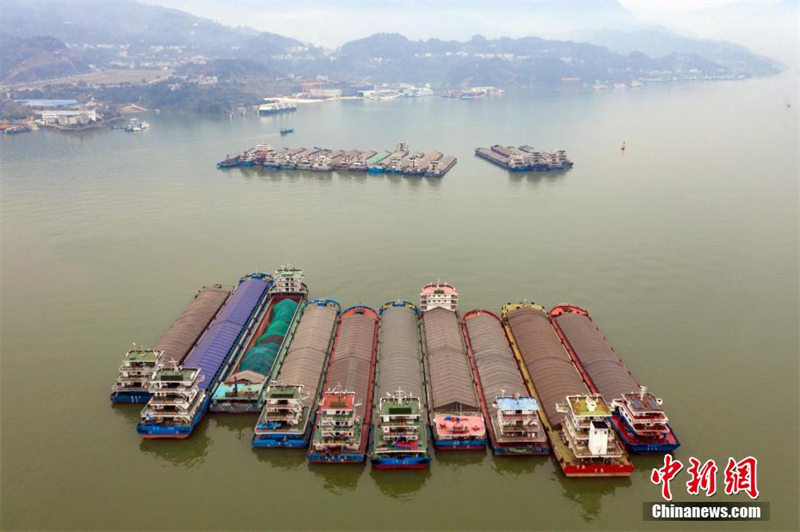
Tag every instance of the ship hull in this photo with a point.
(387, 464)
(174, 432)
(638, 444)
(136, 398)
(278, 442)
(339, 458)
(521, 450)
(249, 408)
(455, 445)
(594, 471)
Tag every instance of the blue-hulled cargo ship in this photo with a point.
(140, 363)
(181, 393)
(290, 401)
(245, 378)
(638, 419)
(511, 413)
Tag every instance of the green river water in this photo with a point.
(684, 249)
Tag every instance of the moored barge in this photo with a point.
(247, 375)
(524, 158)
(577, 421)
(141, 363)
(400, 161)
(181, 393)
(454, 412)
(400, 431)
(344, 412)
(290, 401)
(638, 417)
(511, 413)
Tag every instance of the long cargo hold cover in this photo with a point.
(450, 377)
(549, 366)
(400, 358)
(214, 347)
(497, 368)
(351, 362)
(604, 367)
(184, 331)
(306, 354)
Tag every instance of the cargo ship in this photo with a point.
(577, 421)
(273, 107)
(374, 163)
(245, 378)
(291, 398)
(511, 413)
(524, 158)
(400, 161)
(141, 363)
(439, 167)
(400, 431)
(181, 393)
(344, 412)
(638, 419)
(454, 412)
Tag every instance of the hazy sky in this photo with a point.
(330, 23)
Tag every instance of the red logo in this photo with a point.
(703, 477)
(665, 474)
(741, 476)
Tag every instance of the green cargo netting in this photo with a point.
(261, 357)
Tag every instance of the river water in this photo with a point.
(684, 248)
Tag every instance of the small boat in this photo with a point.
(286, 130)
(136, 125)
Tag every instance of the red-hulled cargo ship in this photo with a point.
(344, 413)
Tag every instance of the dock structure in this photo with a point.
(576, 420)
(399, 161)
(454, 411)
(181, 393)
(141, 363)
(400, 431)
(638, 417)
(290, 401)
(344, 412)
(511, 413)
(524, 158)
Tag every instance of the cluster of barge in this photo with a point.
(394, 384)
(525, 158)
(400, 161)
